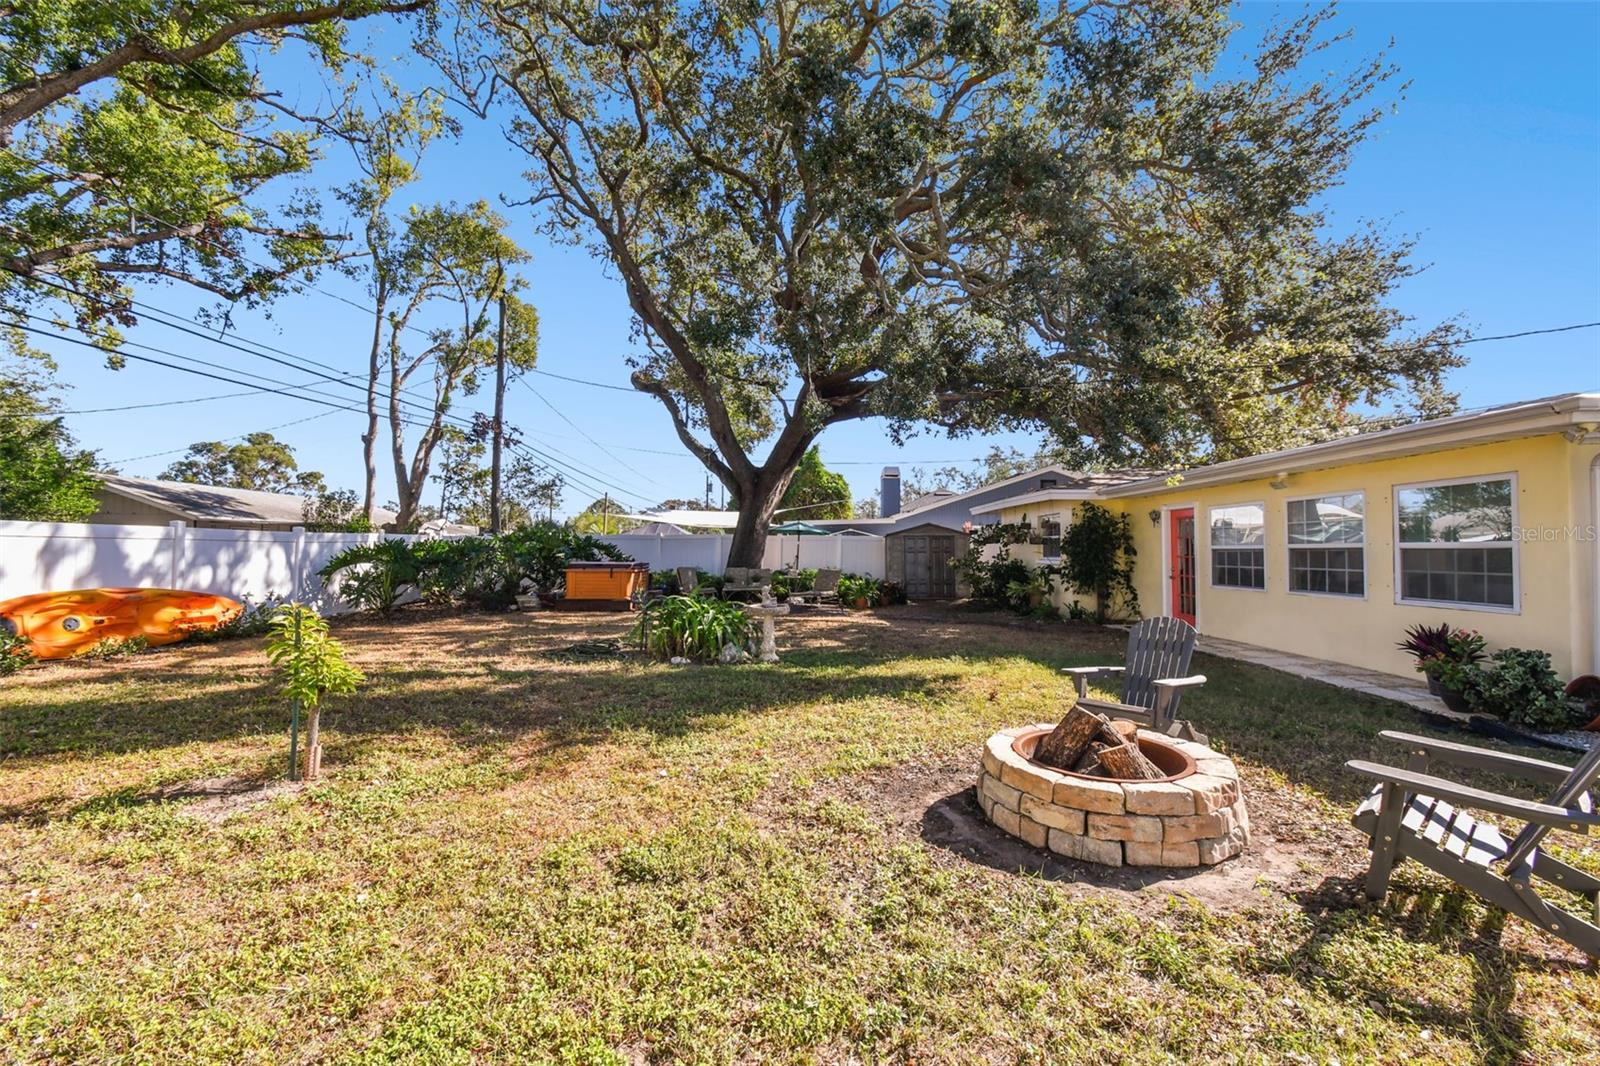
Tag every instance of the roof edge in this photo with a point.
(1527, 419)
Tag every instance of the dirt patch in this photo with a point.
(213, 799)
(937, 803)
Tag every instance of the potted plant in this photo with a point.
(1449, 658)
(1028, 593)
(859, 591)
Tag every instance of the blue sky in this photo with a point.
(1491, 160)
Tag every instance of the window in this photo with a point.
(1050, 535)
(1238, 546)
(1454, 543)
(1327, 544)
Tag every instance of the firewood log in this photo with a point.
(1128, 762)
(1068, 740)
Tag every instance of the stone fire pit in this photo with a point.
(1195, 816)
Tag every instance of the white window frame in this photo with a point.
(1289, 546)
(1060, 520)
(1266, 562)
(1513, 544)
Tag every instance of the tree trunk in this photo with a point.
(757, 501)
(369, 439)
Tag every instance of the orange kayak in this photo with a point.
(62, 624)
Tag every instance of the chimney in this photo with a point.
(889, 492)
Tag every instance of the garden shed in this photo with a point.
(921, 560)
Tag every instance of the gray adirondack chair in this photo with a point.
(825, 589)
(689, 582)
(1411, 814)
(1153, 677)
(746, 581)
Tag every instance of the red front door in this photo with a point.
(1180, 556)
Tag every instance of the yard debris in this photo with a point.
(584, 650)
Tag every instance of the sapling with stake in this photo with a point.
(312, 665)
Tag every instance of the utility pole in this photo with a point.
(499, 419)
(605, 514)
(708, 492)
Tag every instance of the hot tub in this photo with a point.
(604, 586)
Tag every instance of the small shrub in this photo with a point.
(988, 579)
(115, 648)
(666, 581)
(857, 588)
(1026, 594)
(1522, 688)
(312, 666)
(253, 621)
(692, 628)
(786, 581)
(15, 653)
(891, 593)
(373, 577)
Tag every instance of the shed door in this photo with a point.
(929, 573)
(917, 567)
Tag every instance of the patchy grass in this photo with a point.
(519, 858)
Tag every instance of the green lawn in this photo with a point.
(518, 858)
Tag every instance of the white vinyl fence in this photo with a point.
(241, 563)
(252, 565)
(709, 552)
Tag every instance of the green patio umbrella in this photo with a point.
(799, 529)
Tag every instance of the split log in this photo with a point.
(1128, 762)
(1090, 759)
(1065, 743)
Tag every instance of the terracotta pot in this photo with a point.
(860, 602)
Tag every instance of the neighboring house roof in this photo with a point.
(1576, 414)
(658, 529)
(952, 510)
(211, 503)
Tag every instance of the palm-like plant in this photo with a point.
(693, 628)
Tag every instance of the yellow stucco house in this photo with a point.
(1486, 520)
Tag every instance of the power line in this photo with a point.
(578, 474)
(236, 436)
(585, 434)
(584, 381)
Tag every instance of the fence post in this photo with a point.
(177, 526)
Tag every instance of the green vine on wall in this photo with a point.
(1097, 556)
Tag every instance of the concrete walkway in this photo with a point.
(1408, 690)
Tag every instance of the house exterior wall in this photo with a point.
(119, 510)
(1555, 514)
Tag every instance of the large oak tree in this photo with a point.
(138, 140)
(975, 215)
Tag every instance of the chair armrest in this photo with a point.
(1180, 682)
(1113, 709)
(1481, 758)
(1081, 674)
(1570, 818)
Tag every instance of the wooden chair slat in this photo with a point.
(1473, 852)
